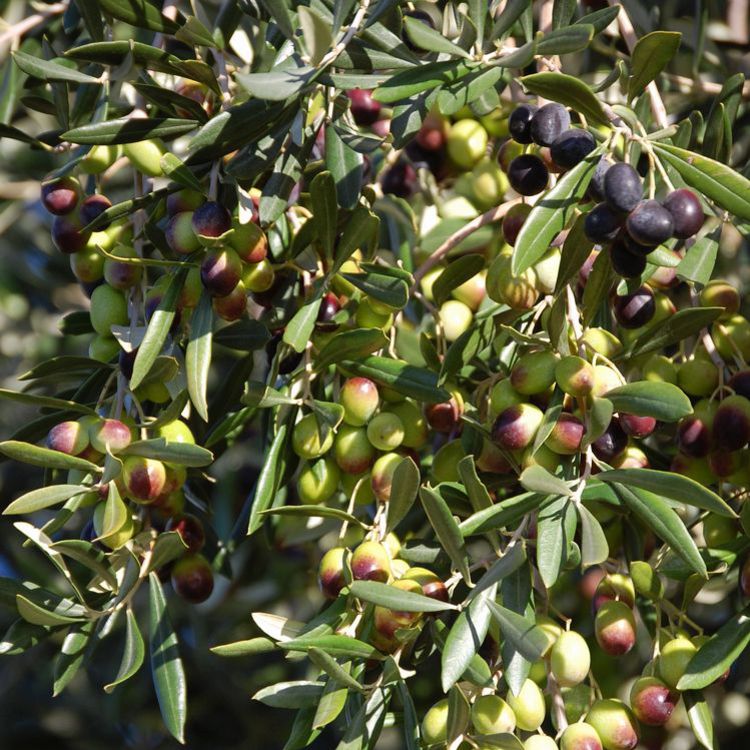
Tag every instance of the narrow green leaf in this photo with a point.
(38, 456)
(669, 484)
(575, 250)
(700, 718)
(71, 656)
(393, 598)
(129, 130)
(340, 646)
(556, 527)
(139, 13)
(536, 478)
(355, 343)
(313, 511)
(345, 165)
(382, 287)
(184, 454)
(512, 559)
(404, 489)
(50, 71)
(166, 666)
(158, 330)
(38, 615)
(718, 182)
(650, 56)
(421, 78)
(717, 654)
(198, 354)
(249, 647)
(528, 640)
(299, 329)
(564, 41)
(132, 655)
(501, 514)
(427, 38)
(594, 545)
(325, 210)
(567, 90)
(663, 401)
(664, 522)
(551, 213)
(44, 497)
(676, 328)
(316, 33)
(410, 381)
(176, 169)
(169, 546)
(269, 479)
(699, 261)
(447, 530)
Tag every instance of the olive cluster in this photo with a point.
(372, 560)
(155, 488)
(224, 256)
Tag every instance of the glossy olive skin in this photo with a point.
(211, 220)
(623, 189)
(528, 175)
(615, 628)
(548, 123)
(635, 309)
(652, 701)
(61, 196)
(190, 528)
(572, 147)
(649, 223)
(570, 659)
(614, 723)
(686, 211)
(519, 123)
(602, 224)
(193, 578)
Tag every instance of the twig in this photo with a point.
(457, 237)
(348, 35)
(17, 30)
(658, 109)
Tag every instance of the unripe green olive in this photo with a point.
(551, 630)
(659, 369)
(698, 377)
(382, 475)
(318, 481)
(145, 156)
(333, 571)
(502, 396)
(602, 342)
(518, 292)
(489, 184)
(412, 421)
(575, 376)
(731, 336)
(353, 450)
(490, 714)
(258, 277)
(719, 293)
(534, 372)
(614, 723)
(674, 658)
(605, 379)
(371, 562)
(718, 530)
(543, 456)
(367, 317)
(570, 659)
(359, 397)
(456, 318)
(539, 742)
(580, 736)
(307, 441)
(646, 580)
(98, 159)
(87, 265)
(577, 701)
(614, 628)
(108, 308)
(435, 723)
(546, 270)
(428, 280)
(103, 348)
(385, 431)
(359, 486)
(472, 292)
(466, 143)
(528, 706)
(615, 586)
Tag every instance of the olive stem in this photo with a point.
(494, 214)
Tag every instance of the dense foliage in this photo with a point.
(440, 305)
